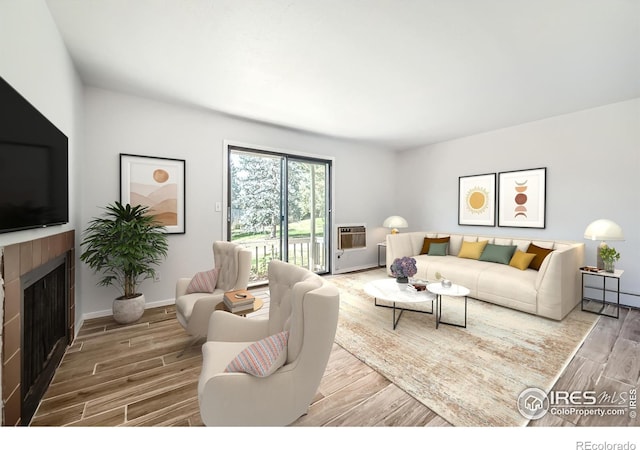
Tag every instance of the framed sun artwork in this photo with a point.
(477, 200)
(158, 183)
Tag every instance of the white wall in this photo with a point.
(118, 123)
(593, 166)
(34, 60)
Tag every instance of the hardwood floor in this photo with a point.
(607, 362)
(146, 374)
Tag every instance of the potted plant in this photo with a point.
(609, 257)
(403, 268)
(125, 244)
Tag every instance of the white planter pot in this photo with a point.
(128, 310)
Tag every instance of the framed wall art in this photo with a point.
(477, 200)
(158, 183)
(522, 198)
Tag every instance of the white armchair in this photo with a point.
(193, 310)
(301, 303)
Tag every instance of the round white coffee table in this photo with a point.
(455, 290)
(397, 293)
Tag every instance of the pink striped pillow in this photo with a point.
(262, 358)
(203, 282)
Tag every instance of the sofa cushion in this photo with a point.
(503, 241)
(428, 241)
(503, 285)
(471, 250)
(455, 242)
(497, 253)
(522, 244)
(203, 282)
(521, 260)
(540, 252)
(438, 248)
(262, 358)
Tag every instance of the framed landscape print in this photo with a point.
(158, 183)
(477, 200)
(522, 198)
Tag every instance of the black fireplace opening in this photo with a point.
(45, 330)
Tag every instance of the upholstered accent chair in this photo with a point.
(302, 304)
(233, 264)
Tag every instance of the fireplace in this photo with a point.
(38, 323)
(45, 332)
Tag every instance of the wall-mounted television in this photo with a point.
(34, 169)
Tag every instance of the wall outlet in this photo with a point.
(156, 277)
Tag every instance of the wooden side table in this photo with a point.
(604, 275)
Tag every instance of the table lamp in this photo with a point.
(395, 222)
(603, 230)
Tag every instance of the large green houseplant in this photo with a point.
(124, 245)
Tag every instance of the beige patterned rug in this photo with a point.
(472, 376)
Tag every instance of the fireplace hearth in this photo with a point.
(37, 274)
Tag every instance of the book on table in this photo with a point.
(239, 300)
(418, 287)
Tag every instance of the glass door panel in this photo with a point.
(279, 209)
(255, 199)
(307, 218)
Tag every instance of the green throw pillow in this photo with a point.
(438, 249)
(498, 253)
(428, 241)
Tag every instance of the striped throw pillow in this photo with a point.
(203, 282)
(262, 358)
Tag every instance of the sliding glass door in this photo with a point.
(279, 209)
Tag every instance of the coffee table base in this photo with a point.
(439, 313)
(394, 307)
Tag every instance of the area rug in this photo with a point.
(469, 376)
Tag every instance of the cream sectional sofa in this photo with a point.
(552, 291)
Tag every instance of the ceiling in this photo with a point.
(397, 74)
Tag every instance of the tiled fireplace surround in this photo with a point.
(18, 260)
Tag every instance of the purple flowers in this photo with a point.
(404, 267)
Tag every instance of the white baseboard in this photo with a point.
(352, 269)
(108, 312)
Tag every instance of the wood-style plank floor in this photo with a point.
(146, 374)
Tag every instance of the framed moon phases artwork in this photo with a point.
(477, 200)
(158, 183)
(522, 198)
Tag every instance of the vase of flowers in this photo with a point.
(403, 268)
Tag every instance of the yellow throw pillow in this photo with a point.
(521, 260)
(471, 250)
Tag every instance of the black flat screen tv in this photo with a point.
(34, 169)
